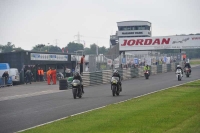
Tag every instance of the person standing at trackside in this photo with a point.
(49, 76)
(28, 75)
(53, 73)
(38, 73)
(41, 74)
(81, 64)
(6, 76)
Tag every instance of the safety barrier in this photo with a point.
(103, 77)
(4, 83)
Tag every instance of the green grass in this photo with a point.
(176, 110)
(195, 62)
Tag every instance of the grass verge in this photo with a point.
(195, 62)
(175, 110)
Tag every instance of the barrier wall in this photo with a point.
(103, 77)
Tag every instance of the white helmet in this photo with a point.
(178, 66)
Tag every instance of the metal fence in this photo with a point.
(109, 62)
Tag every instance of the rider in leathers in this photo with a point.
(187, 64)
(116, 74)
(179, 67)
(78, 77)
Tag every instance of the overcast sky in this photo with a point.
(26, 23)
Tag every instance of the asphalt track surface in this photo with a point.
(18, 112)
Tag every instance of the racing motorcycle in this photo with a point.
(146, 74)
(115, 85)
(76, 88)
(179, 74)
(187, 72)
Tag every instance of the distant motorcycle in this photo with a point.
(76, 88)
(115, 85)
(146, 74)
(179, 74)
(187, 72)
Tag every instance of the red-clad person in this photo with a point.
(49, 76)
(53, 72)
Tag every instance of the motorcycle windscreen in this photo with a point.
(178, 71)
(76, 81)
(115, 78)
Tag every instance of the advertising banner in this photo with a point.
(48, 57)
(109, 62)
(165, 42)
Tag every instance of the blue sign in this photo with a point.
(165, 59)
(136, 61)
(123, 60)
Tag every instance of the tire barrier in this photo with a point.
(103, 77)
(63, 84)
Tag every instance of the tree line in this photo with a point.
(71, 47)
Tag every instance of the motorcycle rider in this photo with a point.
(187, 64)
(116, 74)
(179, 67)
(78, 77)
(147, 68)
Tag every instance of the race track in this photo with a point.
(21, 112)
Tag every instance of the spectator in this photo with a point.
(53, 74)
(81, 64)
(49, 76)
(28, 75)
(41, 74)
(38, 74)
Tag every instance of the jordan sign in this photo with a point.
(153, 43)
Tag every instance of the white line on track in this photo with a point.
(105, 106)
(29, 95)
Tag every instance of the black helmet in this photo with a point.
(115, 71)
(76, 74)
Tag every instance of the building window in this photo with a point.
(141, 28)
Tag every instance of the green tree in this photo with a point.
(54, 49)
(72, 46)
(103, 50)
(9, 47)
(39, 47)
(93, 49)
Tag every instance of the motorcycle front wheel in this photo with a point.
(80, 93)
(74, 91)
(113, 90)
